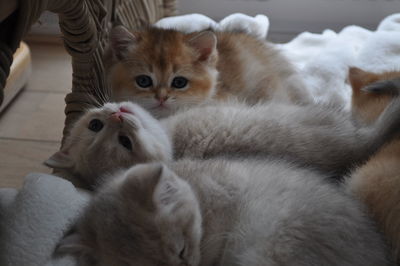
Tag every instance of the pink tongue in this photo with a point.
(125, 110)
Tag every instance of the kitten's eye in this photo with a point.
(179, 82)
(125, 141)
(144, 81)
(95, 125)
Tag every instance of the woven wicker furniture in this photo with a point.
(85, 25)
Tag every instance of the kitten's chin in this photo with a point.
(161, 111)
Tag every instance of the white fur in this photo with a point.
(187, 23)
(256, 26)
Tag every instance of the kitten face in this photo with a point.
(367, 106)
(148, 217)
(163, 70)
(112, 137)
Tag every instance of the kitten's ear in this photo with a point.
(60, 160)
(205, 43)
(122, 41)
(167, 191)
(140, 184)
(359, 78)
(72, 244)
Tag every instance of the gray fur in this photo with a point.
(88, 155)
(391, 86)
(314, 135)
(225, 213)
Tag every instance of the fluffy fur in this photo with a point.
(367, 106)
(216, 65)
(224, 213)
(88, 155)
(321, 136)
(377, 182)
(313, 135)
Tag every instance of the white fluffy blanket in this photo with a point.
(34, 219)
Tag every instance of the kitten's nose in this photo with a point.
(163, 99)
(161, 96)
(125, 110)
(117, 117)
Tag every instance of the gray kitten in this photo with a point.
(121, 135)
(321, 136)
(226, 213)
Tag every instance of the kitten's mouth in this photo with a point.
(160, 106)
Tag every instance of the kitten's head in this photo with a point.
(162, 69)
(148, 216)
(117, 135)
(367, 105)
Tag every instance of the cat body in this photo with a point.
(320, 136)
(165, 70)
(377, 182)
(224, 212)
(314, 136)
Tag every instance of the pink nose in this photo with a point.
(125, 110)
(163, 99)
(117, 117)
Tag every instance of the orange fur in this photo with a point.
(240, 66)
(377, 182)
(368, 106)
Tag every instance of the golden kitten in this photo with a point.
(377, 182)
(165, 70)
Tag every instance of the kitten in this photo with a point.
(123, 134)
(224, 213)
(368, 106)
(165, 70)
(108, 138)
(377, 182)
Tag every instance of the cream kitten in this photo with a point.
(164, 70)
(224, 213)
(108, 138)
(377, 182)
(123, 134)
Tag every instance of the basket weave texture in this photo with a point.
(85, 25)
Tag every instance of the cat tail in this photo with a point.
(384, 87)
(385, 128)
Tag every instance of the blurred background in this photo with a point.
(287, 17)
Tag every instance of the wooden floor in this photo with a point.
(31, 127)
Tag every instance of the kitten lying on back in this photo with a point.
(164, 70)
(377, 182)
(220, 212)
(121, 135)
